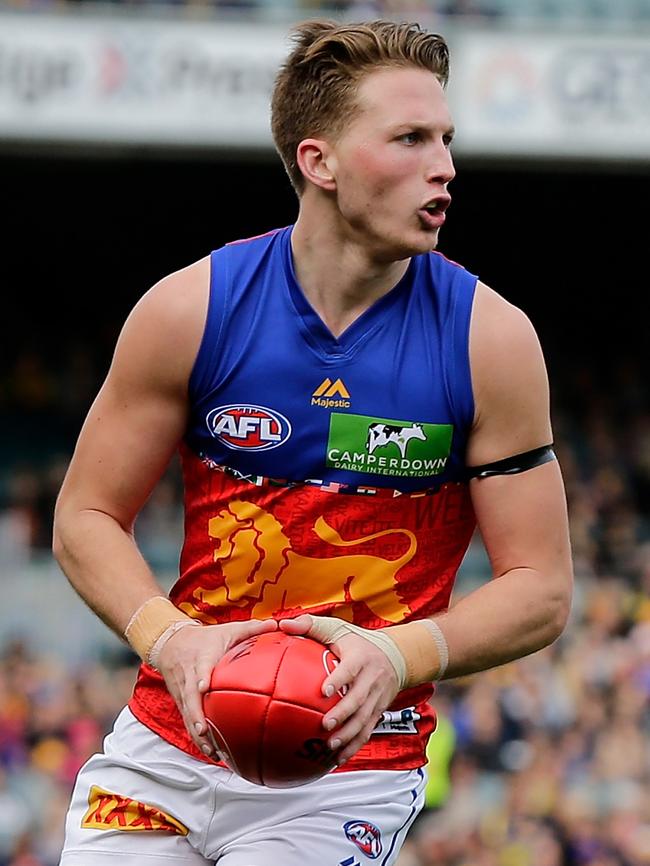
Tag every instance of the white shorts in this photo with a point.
(144, 802)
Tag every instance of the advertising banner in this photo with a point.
(551, 95)
(133, 81)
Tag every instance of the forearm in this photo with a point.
(102, 562)
(512, 616)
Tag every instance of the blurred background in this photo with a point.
(133, 140)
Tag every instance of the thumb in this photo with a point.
(328, 629)
(299, 625)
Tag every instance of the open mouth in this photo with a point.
(437, 205)
(433, 212)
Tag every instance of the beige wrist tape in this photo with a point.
(417, 650)
(424, 649)
(149, 622)
(154, 652)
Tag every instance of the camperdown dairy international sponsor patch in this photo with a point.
(383, 446)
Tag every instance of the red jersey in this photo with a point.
(325, 475)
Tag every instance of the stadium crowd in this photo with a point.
(543, 762)
(429, 12)
(280, 9)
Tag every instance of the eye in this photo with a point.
(447, 140)
(410, 137)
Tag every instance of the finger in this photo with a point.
(238, 632)
(348, 738)
(339, 679)
(335, 718)
(355, 732)
(253, 627)
(299, 625)
(353, 699)
(354, 745)
(181, 684)
(204, 675)
(192, 708)
(359, 706)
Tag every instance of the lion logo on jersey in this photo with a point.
(261, 569)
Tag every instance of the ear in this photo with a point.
(315, 161)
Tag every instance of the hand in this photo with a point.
(367, 680)
(186, 662)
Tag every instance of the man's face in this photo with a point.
(392, 163)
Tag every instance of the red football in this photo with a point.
(265, 709)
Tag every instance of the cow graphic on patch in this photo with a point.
(400, 435)
(387, 446)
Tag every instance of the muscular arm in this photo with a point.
(525, 606)
(127, 440)
(522, 518)
(130, 433)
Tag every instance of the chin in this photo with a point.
(423, 242)
(397, 247)
(431, 244)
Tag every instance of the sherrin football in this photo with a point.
(265, 709)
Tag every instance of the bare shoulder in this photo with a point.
(509, 380)
(500, 329)
(163, 331)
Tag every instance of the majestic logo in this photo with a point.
(383, 446)
(331, 395)
(366, 836)
(108, 811)
(262, 571)
(248, 428)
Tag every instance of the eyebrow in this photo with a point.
(448, 132)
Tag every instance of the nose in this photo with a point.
(441, 165)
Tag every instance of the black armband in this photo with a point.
(514, 465)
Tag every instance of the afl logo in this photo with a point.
(248, 428)
(366, 836)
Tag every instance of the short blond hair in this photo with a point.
(315, 89)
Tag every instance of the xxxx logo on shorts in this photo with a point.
(108, 811)
(383, 446)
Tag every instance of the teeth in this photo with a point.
(431, 207)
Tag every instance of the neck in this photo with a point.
(339, 277)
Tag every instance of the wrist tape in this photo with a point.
(417, 650)
(153, 623)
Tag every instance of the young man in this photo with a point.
(348, 403)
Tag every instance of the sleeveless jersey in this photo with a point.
(324, 474)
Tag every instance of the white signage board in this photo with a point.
(513, 93)
(518, 94)
(136, 81)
